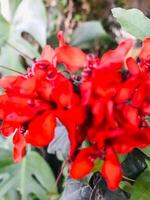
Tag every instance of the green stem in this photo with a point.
(128, 179)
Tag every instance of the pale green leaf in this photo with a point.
(30, 17)
(4, 30)
(13, 6)
(133, 21)
(87, 33)
(10, 57)
(31, 176)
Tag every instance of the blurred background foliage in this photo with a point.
(25, 27)
(28, 25)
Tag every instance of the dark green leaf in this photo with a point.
(141, 189)
(134, 164)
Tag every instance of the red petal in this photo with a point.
(7, 81)
(146, 108)
(145, 50)
(111, 169)
(126, 90)
(63, 91)
(20, 109)
(3, 102)
(41, 130)
(110, 114)
(8, 128)
(138, 97)
(115, 58)
(72, 57)
(98, 110)
(86, 91)
(48, 54)
(19, 84)
(131, 114)
(83, 164)
(130, 139)
(45, 89)
(132, 66)
(28, 86)
(19, 147)
(60, 37)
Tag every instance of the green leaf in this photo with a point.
(31, 176)
(5, 157)
(32, 21)
(134, 164)
(146, 151)
(97, 166)
(8, 8)
(125, 186)
(141, 189)
(4, 30)
(122, 157)
(87, 33)
(13, 62)
(13, 6)
(133, 21)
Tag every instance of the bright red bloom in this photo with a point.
(34, 100)
(107, 106)
(115, 100)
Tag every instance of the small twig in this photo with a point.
(8, 68)
(91, 195)
(23, 54)
(128, 179)
(59, 177)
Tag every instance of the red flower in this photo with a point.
(107, 106)
(73, 58)
(34, 100)
(117, 124)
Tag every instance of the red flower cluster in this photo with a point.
(108, 106)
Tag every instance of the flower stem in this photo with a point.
(58, 178)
